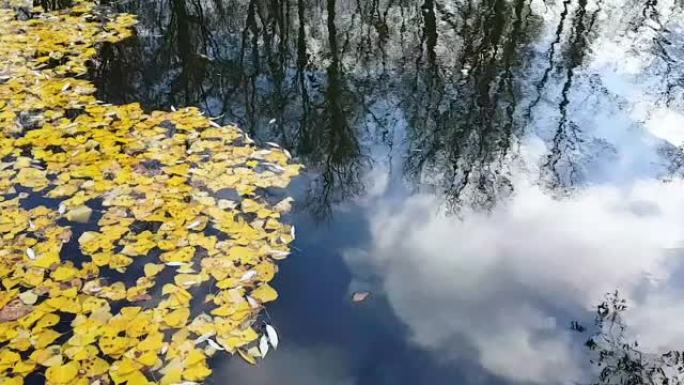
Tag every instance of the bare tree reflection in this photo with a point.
(620, 360)
(327, 79)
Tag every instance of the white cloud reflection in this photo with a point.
(507, 283)
(497, 281)
(290, 365)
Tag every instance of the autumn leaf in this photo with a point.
(155, 176)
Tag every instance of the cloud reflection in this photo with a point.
(507, 283)
(290, 365)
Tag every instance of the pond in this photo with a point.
(503, 177)
(487, 170)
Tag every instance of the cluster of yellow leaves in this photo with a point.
(152, 182)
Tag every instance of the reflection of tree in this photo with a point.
(327, 79)
(665, 45)
(53, 4)
(463, 119)
(328, 140)
(620, 361)
(248, 66)
(559, 163)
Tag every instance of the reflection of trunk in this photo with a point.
(430, 31)
(506, 86)
(302, 60)
(185, 49)
(187, 40)
(566, 137)
(552, 50)
(462, 137)
(250, 73)
(334, 143)
(52, 5)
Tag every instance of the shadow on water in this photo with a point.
(431, 97)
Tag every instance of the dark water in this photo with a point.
(487, 169)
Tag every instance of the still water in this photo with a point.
(487, 169)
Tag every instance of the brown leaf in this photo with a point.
(14, 310)
(141, 297)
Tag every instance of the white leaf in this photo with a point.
(28, 297)
(193, 224)
(226, 204)
(203, 338)
(32, 226)
(263, 346)
(175, 264)
(278, 254)
(173, 109)
(289, 156)
(272, 336)
(284, 206)
(272, 121)
(274, 167)
(261, 153)
(213, 123)
(292, 232)
(30, 253)
(215, 345)
(273, 144)
(248, 275)
(254, 304)
(62, 209)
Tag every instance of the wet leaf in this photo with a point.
(14, 310)
(79, 214)
(263, 346)
(62, 374)
(272, 336)
(156, 177)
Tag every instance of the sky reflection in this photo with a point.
(488, 173)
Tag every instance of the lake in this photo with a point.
(504, 177)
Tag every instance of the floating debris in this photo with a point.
(360, 296)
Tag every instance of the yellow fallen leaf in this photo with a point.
(28, 297)
(79, 214)
(264, 293)
(62, 374)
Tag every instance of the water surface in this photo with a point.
(487, 169)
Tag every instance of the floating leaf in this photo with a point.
(272, 336)
(263, 346)
(62, 374)
(79, 214)
(360, 296)
(28, 297)
(156, 177)
(265, 293)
